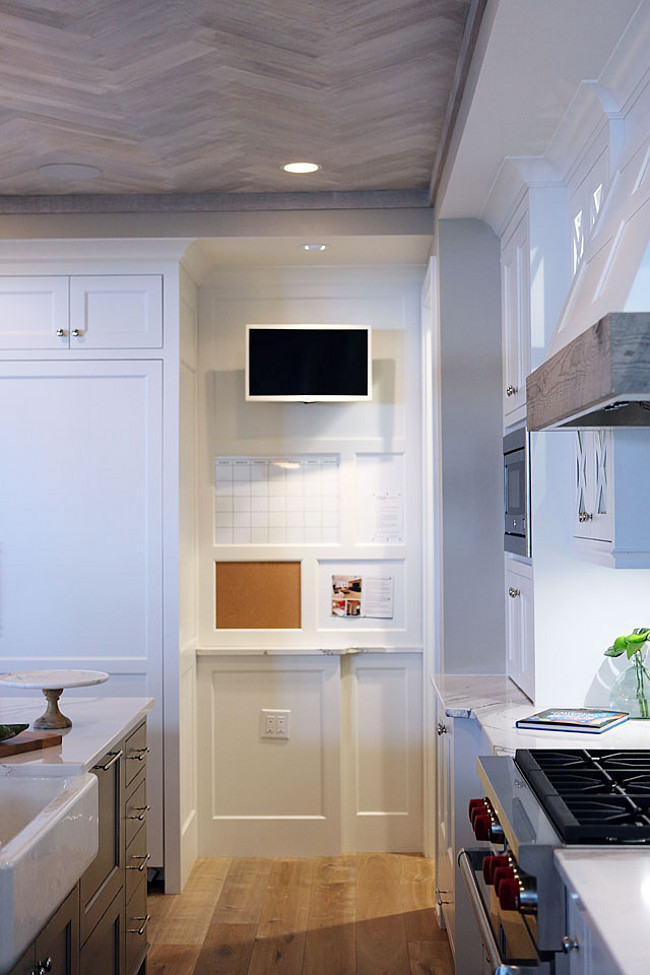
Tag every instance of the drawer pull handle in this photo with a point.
(140, 930)
(42, 967)
(138, 754)
(143, 810)
(141, 856)
(116, 757)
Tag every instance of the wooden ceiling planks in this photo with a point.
(212, 97)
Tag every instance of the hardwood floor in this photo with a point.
(358, 914)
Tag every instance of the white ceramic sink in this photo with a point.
(48, 836)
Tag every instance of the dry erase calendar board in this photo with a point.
(292, 500)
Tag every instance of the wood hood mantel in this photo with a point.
(599, 379)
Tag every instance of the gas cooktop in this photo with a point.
(591, 796)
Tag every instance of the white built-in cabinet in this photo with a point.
(515, 297)
(586, 952)
(611, 514)
(520, 631)
(82, 433)
(76, 312)
(444, 818)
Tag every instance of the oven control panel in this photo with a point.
(514, 889)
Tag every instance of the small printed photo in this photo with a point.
(338, 607)
(353, 607)
(346, 585)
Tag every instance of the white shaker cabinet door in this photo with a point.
(116, 311)
(80, 510)
(34, 312)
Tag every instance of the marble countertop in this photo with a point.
(614, 890)
(98, 723)
(496, 703)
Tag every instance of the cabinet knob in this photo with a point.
(569, 944)
(513, 593)
(76, 333)
(60, 332)
(441, 728)
(584, 516)
(511, 390)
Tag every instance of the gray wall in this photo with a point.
(473, 623)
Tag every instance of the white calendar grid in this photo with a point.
(277, 500)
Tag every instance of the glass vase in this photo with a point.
(631, 688)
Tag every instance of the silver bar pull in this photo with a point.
(145, 857)
(141, 929)
(116, 757)
(138, 754)
(143, 810)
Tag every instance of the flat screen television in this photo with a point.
(308, 363)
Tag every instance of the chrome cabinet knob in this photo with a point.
(60, 332)
(511, 390)
(513, 593)
(569, 944)
(441, 728)
(75, 332)
(584, 516)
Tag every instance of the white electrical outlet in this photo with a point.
(274, 724)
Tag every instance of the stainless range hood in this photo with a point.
(599, 379)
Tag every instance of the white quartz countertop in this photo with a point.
(614, 890)
(98, 723)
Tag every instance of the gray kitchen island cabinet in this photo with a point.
(100, 929)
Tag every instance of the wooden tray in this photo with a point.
(28, 741)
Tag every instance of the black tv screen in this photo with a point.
(308, 362)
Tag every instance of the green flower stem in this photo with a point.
(640, 689)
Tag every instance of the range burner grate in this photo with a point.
(592, 796)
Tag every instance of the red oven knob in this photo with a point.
(490, 864)
(501, 873)
(481, 826)
(508, 894)
(478, 804)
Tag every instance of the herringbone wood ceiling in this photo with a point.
(212, 96)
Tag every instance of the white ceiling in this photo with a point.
(537, 54)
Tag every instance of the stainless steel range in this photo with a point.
(534, 804)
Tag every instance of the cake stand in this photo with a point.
(53, 683)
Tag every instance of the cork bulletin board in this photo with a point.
(258, 595)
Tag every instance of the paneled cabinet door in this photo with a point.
(96, 311)
(444, 805)
(593, 500)
(587, 953)
(33, 312)
(520, 634)
(515, 297)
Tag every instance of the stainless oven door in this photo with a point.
(508, 945)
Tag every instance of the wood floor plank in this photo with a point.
(184, 919)
(330, 942)
(243, 892)
(430, 958)
(172, 959)
(229, 950)
(281, 935)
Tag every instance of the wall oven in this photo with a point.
(516, 492)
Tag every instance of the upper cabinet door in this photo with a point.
(34, 312)
(116, 311)
(515, 275)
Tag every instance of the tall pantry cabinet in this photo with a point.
(89, 493)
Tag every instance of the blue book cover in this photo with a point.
(592, 720)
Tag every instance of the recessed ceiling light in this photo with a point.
(314, 247)
(68, 171)
(301, 167)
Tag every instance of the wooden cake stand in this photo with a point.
(53, 683)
